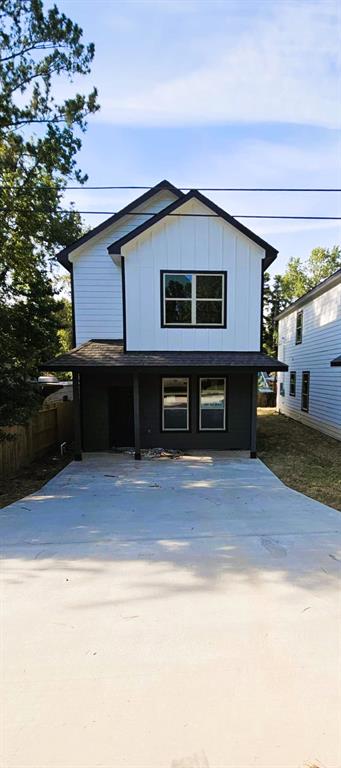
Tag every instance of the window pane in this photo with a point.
(178, 312)
(212, 419)
(209, 312)
(209, 286)
(212, 393)
(175, 403)
(175, 393)
(178, 286)
(175, 419)
(212, 404)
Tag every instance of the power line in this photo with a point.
(197, 215)
(187, 189)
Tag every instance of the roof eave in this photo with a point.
(62, 256)
(270, 252)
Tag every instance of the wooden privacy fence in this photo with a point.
(48, 428)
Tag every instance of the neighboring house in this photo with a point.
(167, 304)
(309, 338)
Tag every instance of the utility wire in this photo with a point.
(189, 189)
(188, 215)
(205, 215)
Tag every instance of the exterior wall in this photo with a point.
(192, 243)
(321, 342)
(95, 396)
(97, 279)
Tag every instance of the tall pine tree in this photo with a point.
(40, 136)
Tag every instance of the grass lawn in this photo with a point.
(301, 457)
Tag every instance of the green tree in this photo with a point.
(321, 263)
(40, 136)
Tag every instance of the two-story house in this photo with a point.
(309, 342)
(167, 306)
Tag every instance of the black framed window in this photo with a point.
(305, 391)
(212, 404)
(175, 405)
(191, 299)
(281, 388)
(299, 327)
(292, 389)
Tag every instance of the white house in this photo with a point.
(167, 303)
(309, 342)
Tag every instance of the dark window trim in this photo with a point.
(222, 272)
(227, 384)
(176, 431)
(292, 394)
(299, 314)
(305, 373)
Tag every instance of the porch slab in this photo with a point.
(171, 612)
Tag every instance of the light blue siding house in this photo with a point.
(309, 341)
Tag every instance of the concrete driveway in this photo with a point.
(176, 613)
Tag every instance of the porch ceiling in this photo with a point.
(109, 353)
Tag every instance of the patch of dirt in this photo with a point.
(31, 477)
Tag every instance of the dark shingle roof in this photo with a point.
(336, 361)
(109, 353)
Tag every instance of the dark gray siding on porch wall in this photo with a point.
(236, 436)
(95, 399)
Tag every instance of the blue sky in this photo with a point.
(210, 93)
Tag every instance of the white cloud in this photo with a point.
(283, 68)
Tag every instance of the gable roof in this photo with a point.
(271, 252)
(322, 287)
(62, 255)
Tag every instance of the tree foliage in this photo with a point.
(40, 136)
(298, 278)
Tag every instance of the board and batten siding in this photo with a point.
(192, 243)
(98, 281)
(321, 342)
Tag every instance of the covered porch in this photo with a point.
(184, 400)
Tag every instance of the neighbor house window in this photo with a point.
(293, 383)
(299, 327)
(212, 404)
(305, 391)
(193, 299)
(175, 404)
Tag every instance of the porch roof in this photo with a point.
(336, 361)
(109, 353)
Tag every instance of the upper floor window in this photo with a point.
(193, 299)
(299, 327)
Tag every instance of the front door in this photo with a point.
(121, 414)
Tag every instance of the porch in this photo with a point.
(144, 399)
